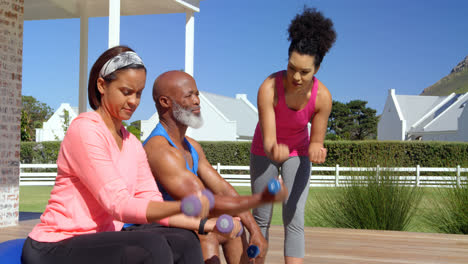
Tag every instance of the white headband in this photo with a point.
(118, 62)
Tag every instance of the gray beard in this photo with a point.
(186, 116)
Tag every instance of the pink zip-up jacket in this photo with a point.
(98, 186)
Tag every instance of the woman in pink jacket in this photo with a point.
(104, 180)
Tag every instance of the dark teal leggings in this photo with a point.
(145, 244)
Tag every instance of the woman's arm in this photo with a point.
(266, 114)
(317, 153)
(89, 156)
(182, 221)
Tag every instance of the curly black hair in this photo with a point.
(311, 34)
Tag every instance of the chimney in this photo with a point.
(241, 96)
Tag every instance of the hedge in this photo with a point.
(39, 152)
(344, 153)
(397, 153)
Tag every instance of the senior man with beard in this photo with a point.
(180, 168)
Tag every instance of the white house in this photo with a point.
(54, 128)
(225, 119)
(416, 117)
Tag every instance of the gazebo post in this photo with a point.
(189, 41)
(82, 97)
(114, 23)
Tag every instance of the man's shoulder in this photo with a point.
(191, 140)
(158, 143)
(159, 150)
(194, 143)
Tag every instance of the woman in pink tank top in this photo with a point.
(287, 101)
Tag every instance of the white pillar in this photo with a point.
(82, 96)
(114, 23)
(189, 41)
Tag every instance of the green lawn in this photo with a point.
(34, 199)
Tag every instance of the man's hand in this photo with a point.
(235, 230)
(280, 196)
(258, 240)
(317, 153)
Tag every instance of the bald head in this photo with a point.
(174, 88)
(170, 83)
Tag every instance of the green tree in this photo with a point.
(352, 121)
(65, 124)
(364, 120)
(136, 124)
(35, 113)
(338, 121)
(134, 128)
(25, 130)
(66, 121)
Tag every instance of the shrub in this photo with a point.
(370, 200)
(345, 153)
(451, 210)
(41, 153)
(227, 153)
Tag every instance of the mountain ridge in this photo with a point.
(455, 82)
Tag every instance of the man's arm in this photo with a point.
(227, 199)
(219, 186)
(168, 168)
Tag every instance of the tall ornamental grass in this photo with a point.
(377, 200)
(450, 211)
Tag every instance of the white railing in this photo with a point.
(330, 176)
(37, 178)
(339, 176)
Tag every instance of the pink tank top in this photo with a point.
(291, 125)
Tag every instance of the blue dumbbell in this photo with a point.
(191, 205)
(253, 251)
(274, 186)
(225, 224)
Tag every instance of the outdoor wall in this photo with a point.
(441, 136)
(463, 124)
(390, 126)
(11, 60)
(53, 129)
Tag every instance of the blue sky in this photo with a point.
(399, 44)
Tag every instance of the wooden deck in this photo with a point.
(327, 245)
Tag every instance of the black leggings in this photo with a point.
(145, 244)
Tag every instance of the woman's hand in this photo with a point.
(317, 153)
(279, 153)
(196, 205)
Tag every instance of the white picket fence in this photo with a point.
(39, 177)
(320, 176)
